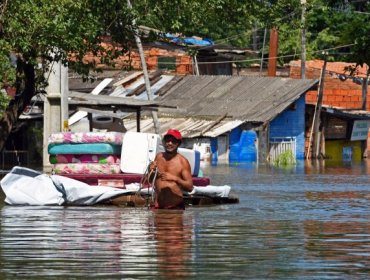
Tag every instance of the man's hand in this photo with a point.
(166, 176)
(153, 166)
(152, 171)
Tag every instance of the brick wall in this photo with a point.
(183, 60)
(345, 94)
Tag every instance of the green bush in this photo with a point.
(285, 159)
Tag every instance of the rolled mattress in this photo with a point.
(86, 168)
(82, 148)
(86, 137)
(84, 158)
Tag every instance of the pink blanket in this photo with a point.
(86, 137)
(86, 168)
(85, 158)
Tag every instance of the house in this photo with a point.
(228, 118)
(343, 110)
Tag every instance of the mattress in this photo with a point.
(84, 158)
(86, 168)
(84, 148)
(86, 137)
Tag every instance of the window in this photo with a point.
(167, 63)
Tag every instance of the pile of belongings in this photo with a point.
(85, 152)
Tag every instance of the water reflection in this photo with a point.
(173, 243)
(54, 241)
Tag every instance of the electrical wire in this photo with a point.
(258, 59)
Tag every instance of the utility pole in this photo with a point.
(145, 71)
(317, 114)
(263, 49)
(303, 40)
(365, 84)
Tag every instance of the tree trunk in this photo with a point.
(25, 92)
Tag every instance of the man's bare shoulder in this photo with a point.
(159, 155)
(181, 157)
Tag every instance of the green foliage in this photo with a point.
(224, 21)
(357, 33)
(4, 101)
(285, 159)
(43, 31)
(7, 71)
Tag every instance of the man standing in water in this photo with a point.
(174, 173)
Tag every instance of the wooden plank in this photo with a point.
(105, 99)
(102, 85)
(137, 91)
(97, 90)
(129, 78)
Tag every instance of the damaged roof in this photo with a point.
(354, 114)
(247, 99)
(209, 105)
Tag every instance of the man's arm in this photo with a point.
(150, 176)
(186, 182)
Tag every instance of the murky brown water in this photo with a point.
(304, 223)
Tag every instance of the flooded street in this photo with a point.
(309, 222)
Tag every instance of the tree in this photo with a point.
(40, 32)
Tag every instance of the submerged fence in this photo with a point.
(279, 145)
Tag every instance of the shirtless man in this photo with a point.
(174, 173)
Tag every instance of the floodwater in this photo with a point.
(308, 222)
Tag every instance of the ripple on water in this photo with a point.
(289, 224)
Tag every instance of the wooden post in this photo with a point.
(90, 119)
(138, 117)
(365, 84)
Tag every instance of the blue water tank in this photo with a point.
(234, 144)
(234, 136)
(248, 150)
(214, 150)
(234, 153)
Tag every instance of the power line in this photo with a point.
(258, 59)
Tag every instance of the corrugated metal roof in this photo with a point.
(354, 114)
(248, 99)
(189, 127)
(212, 105)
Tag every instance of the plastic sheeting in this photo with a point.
(23, 186)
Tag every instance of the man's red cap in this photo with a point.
(175, 133)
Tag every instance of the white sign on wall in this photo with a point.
(360, 130)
